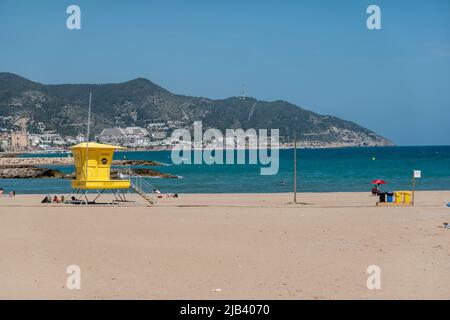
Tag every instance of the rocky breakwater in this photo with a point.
(27, 168)
(28, 172)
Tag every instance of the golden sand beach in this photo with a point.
(227, 246)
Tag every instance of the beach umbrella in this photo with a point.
(378, 181)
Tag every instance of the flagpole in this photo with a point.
(87, 136)
(295, 168)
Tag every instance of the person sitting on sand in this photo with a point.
(1, 192)
(47, 199)
(158, 193)
(12, 194)
(55, 199)
(375, 190)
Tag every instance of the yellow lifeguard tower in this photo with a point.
(93, 167)
(93, 170)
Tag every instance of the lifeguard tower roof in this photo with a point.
(95, 145)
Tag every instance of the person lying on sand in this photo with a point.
(73, 200)
(172, 195)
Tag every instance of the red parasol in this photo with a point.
(378, 181)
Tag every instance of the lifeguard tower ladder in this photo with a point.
(93, 172)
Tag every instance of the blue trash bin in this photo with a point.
(390, 197)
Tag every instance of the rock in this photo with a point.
(27, 172)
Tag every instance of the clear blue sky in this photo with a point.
(316, 54)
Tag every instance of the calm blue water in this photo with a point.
(319, 170)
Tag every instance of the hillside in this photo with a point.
(139, 102)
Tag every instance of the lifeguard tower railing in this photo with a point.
(139, 184)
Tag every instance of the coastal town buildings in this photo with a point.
(155, 136)
(128, 137)
(19, 140)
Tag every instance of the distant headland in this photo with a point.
(141, 115)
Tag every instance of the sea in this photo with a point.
(318, 170)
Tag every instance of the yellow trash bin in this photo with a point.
(407, 196)
(399, 197)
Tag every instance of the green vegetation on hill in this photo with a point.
(140, 101)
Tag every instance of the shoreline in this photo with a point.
(364, 192)
(67, 150)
